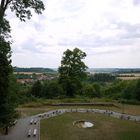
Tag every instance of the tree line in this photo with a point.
(128, 91)
(55, 90)
(33, 70)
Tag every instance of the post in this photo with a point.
(6, 130)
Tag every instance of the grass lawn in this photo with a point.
(28, 111)
(25, 112)
(106, 128)
(42, 105)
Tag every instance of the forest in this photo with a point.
(99, 85)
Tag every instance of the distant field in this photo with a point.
(28, 73)
(106, 128)
(135, 74)
(129, 76)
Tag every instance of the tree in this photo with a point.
(52, 90)
(101, 77)
(37, 89)
(7, 112)
(128, 92)
(137, 90)
(88, 90)
(91, 90)
(97, 89)
(22, 9)
(72, 71)
(115, 89)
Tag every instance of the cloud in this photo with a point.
(105, 30)
(136, 2)
(117, 34)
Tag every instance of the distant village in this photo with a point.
(29, 77)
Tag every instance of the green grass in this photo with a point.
(42, 105)
(128, 109)
(106, 128)
(25, 112)
(43, 102)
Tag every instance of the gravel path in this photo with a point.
(21, 130)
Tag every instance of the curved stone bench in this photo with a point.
(57, 112)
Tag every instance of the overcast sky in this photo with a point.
(107, 30)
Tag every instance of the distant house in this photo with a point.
(24, 81)
(30, 78)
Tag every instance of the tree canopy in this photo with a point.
(22, 9)
(72, 70)
(72, 64)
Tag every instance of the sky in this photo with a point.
(108, 31)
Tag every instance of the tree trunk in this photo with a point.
(6, 130)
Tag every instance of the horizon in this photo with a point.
(87, 68)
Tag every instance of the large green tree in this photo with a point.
(7, 113)
(72, 71)
(22, 9)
